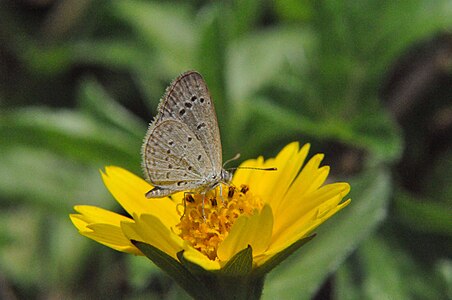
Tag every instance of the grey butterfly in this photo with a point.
(182, 148)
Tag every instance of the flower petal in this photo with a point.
(129, 190)
(274, 183)
(296, 222)
(93, 214)
(243, 176)
(264, 181)
(255, 230)
(111, 236)
(308, 228)
(310, 178)
(103, 227)
(151, 230)
(200, 259)
(290, 213)
(288, 171)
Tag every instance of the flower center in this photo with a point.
(206, 231)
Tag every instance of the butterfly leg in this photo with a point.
(187, 197)
(203, 200)
(221, 194)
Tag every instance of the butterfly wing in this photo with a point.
(188, 99)
(168, 164)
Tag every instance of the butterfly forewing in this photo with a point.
(188, 99)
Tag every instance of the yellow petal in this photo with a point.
(200, 259)
(111, 236)
(288, 168)
(273, 184)
(276, 248)
(107, 233)
(129, 190)
(310, 178)
(255, 230)
(264, 180)
(295, 210)
(306, 230)
(151, 230)
(79, 222)
(242, 176)
(92, 214)
(298, 222)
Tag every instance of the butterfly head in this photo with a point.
(226, 176)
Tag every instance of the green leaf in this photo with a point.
(53, 60)
(259, 58)
(436, 217)
(349, 64)
(73, 135)
(302, 274)
(346, 285)
(94, 100)
(165, 28)
(377, 134)
(140, 273)
(212, 55)
(41, 237)
(444, 267)
(294, 10)
(48, 181)
(244, 16)
(437, 181)
(383, 279)
(112, 53)
(383, 269)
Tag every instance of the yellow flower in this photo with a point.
(266, 210)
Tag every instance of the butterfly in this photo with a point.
(182, 147)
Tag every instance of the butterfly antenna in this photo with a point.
(237, 156)
(254, 168)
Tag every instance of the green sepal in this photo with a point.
(238, 277)
(240, 264)
(235, 280)
(207, 277)
(186, 279)
(278, 258)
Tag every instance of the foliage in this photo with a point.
(80, 80)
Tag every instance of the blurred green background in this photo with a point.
(368, 83)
